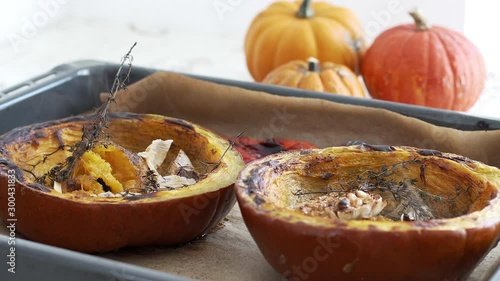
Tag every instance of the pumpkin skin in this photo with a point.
(427, 66)
(97, 224)
(325, 77)
(302, 247)
(288, 31)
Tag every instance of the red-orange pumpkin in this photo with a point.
(423, 65)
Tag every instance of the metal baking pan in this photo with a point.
(73, 88)
(35, 261)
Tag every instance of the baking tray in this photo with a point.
(73, 88)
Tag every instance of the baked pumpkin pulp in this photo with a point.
(365, 212)
(113, 197)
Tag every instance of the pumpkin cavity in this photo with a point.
(109, 170)
(395, 186)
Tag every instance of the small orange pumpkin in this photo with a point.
(423, 65)
(311, 75)
(288, 31)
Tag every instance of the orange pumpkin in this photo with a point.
(423, 65)
(311, 75)
(288, 31)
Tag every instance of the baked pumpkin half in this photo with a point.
(367, 212)
(109, 201)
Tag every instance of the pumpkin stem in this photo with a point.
(312, 64)
(419, 19)
(305, 10)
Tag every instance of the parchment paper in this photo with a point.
(231, 110)
(228, 252)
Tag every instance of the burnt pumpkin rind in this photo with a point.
(287, 31)
(302, 247)
(314, 76)
(424, 65)
(97, 224)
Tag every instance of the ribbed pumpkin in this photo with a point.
(423, 65)
(288, 31)
(311, 75)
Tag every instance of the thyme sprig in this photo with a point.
(93, 132)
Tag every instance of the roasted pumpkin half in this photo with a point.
(366, 212)
(106, 203)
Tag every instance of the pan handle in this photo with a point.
(56, 74)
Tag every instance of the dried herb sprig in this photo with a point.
(412, 202)
(93, 133)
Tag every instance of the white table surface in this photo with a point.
(218, 55)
